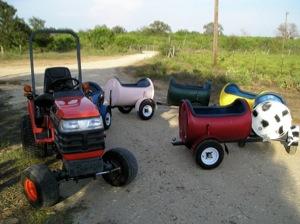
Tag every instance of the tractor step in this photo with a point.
(43, 135)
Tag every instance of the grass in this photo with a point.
(85, 52)
(244, 68)
(13, 160)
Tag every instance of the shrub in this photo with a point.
(100, 37)
(63, 43)
(125, 41)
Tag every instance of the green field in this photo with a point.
(241, 59)
(239, 66)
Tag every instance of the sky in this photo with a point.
(238, 17)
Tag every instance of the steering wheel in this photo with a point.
(64, 84)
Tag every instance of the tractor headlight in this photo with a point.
(81, 125)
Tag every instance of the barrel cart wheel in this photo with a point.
(107, 118)
(241, 144)
(209, 154)
(146, 109)
(291, 149)
(125, 109)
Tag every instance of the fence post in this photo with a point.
(254, 66)
(183, 44)
(282, 59)
(173, 53)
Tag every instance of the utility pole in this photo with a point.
(285, 30)
(216, 33)
(284, 39)
(286, 26)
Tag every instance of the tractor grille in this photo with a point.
(79, 141)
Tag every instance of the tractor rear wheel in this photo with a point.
(125, 164)
(40, 186)
(28, 141)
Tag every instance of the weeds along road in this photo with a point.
(256, 184)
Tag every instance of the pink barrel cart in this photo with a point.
(127, 96)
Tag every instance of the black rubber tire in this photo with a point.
(106, 126)
(241, 144)
(28, 141)
(144, 103)
(124, 159)
(204, 145)
(125, 110)
(45, 183)
(291, 149)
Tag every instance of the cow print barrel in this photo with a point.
(293, 135)
(271, 120)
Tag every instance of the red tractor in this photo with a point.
(63, 120)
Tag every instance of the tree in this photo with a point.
(157, 27)
(14, 31)
(118, 29)
(182, 31)
(288, 31)
(36, 23)
(209, 29)
(22, 33)
(42, 40)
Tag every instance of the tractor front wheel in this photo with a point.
(124, 167)
(40, 186)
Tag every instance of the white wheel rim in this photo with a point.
(147, 110)
(209, 156)
(107, 119)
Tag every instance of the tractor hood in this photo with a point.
(77, 107)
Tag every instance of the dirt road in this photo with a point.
(257, 184)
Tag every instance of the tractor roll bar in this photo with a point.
(53, 31)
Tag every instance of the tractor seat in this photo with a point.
(53, 74)
(142, 83)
